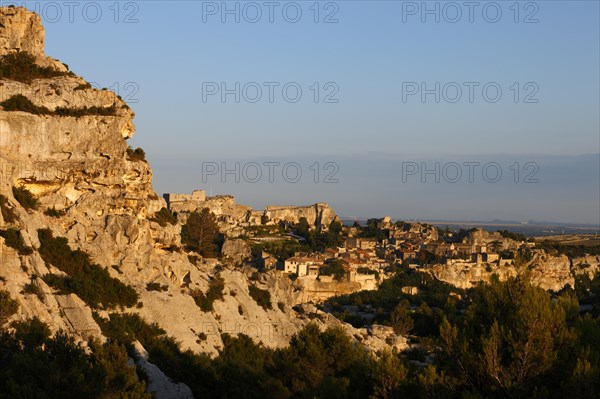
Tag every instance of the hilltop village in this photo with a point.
(296, 241)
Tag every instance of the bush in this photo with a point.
(335, 269)
(13, 239)
(128, 327)
(164, 217)
(137, 155)
(156, 287)
(79, 112)
(92, 283)
(19, 102)
(8, 214)
(21, 67)
(8, 307)
(215, 291)
(53, 212)
(401, 319)
(34, 289)
(25, 198)
(83, 86)
(262, 297)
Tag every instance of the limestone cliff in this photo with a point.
(74, 158)
(551, 272)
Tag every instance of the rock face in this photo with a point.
(547, 271)
(68, 160)
(21, 31)
(232, 215)
(80, 164)
(318, 215)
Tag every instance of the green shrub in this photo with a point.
(262, 297)
(83, 86)
(34, 289)
(25, 198)
(156, 287)
(53, 212)
(164, 217)
(8, 214)
(92, 283)
(36, 365)
(215, 292)
(21, 67)
(79, 112)
(13, 239)
(335, 269)
(137, 155)
(8, 307)
(19, 102)
(128, 327)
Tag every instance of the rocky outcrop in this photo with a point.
(317, 215)
(466, 274)
(589, 264)
(550, 272)
(21, 30)
(232, 215)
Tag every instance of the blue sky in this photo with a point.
(367, 61)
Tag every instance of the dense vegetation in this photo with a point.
(201, 234)
(19, 102)
(316, 364)
(89, 281)
(382, 302)
(498, 340)
(35, 365)
(21, 67)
